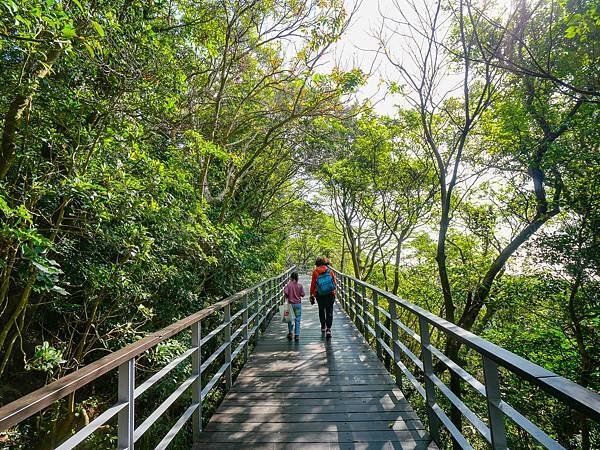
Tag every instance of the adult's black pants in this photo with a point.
(326, 309)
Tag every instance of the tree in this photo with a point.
(380, 191)
(552, 41)
(461, 130)
(148, 164)
(574, 252)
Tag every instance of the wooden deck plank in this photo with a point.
(324, 417)
(313, 387)
(308, 436)
(316, 401)
(373, 425)
(314, 394)
(312, 409)
(389, 445)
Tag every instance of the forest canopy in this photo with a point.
(157, 156)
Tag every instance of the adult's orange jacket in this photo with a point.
(313, 282)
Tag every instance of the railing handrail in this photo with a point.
(32, 403)
(578, 397)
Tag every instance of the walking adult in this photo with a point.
(322, 287)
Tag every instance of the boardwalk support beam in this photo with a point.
(396, 348)
(227, 321)
(434, 423)
(126, 418)
(493, 396)
(197, 385)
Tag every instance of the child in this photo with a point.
(294, 292)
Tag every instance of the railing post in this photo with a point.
(395, 348)
(342, 291)
(494, 397)
(349, 297)
(377, 324)
(434, 425)
(197, 385)
(363, 292)
(126, 418)
(274, 297)
(264, 300)
(345, 292)
(270, 300)
(257, 298)
(355, 301)
(259, 307)
(227, 319)
(246, 336)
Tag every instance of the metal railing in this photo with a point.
(361, 301)
(255, 308)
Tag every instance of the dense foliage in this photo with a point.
(147, 168)
(158, 155)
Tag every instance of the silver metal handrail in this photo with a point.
(366, 312)
(258, 305)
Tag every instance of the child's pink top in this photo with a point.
(294, 292)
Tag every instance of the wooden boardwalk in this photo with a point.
(314, 394)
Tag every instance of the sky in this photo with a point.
(358, 47)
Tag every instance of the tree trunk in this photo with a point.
(449, 308)
(14, 115)
(343, 253)
(20, 306)
(397, 269)
(470, 315)
(23, 302)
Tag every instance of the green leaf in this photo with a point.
(78, 3)
(11, 6)
(7, 210)
(571, 32)
(89, 48)
(59, 290)
(41, 267)
(98, 28)
(68, 31)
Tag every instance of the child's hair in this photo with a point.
(320, 261)
(294, 276)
